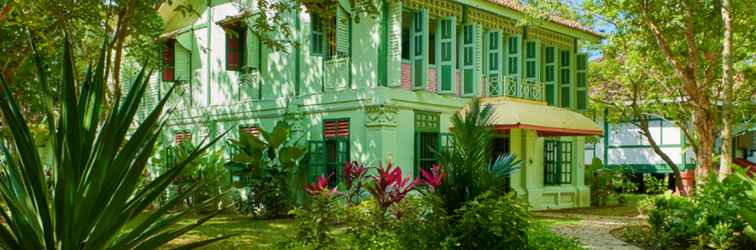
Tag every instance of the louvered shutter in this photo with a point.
(184, 136)
(342, 32)
(337, 128)
(250, 130)
(316, 35)
(582, 82)
(447, 31)
(469, 59)
(419, 48)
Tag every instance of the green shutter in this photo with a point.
(446, 48)
(582, 82)
(316, 164)
(469, 59)
(342, 32)
(513, 65)
(550, 74)
(342, 156)
(493, 60)
(531, 61)
(419, 48)
(565, 78)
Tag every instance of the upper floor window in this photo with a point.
(565, 76)
(329, 34)
(169, 60)
(236, 37)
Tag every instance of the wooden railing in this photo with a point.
(505, 86)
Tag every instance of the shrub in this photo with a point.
(655, 185)
(268, 170)
(493, 221)
(710, 219)
(313, 222)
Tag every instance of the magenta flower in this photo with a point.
(432, 178)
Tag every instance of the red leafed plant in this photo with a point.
(432, 178)
(353, 171)
(320, 187)
(389, 187)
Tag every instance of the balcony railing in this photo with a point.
(505, 86)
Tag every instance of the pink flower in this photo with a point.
(432, 178)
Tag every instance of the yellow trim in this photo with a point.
(493, 21)
(437, 8)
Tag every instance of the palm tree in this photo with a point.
(467, 161)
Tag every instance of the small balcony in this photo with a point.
(505, 86)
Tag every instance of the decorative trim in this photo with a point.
(493, 21)
(435, 7)
(548, 37)
(548, 131)
(381, 116)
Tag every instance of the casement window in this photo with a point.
(336, 135)
(447, 31)
(428, 140)
(316, 35)
(493, 69)
(513, 65)
(550, 75)
(236, 37)
(581, 82)
(557, 162)
(419, 48)
(565, 77)
(329, 35)
(468, 59)
(183, 136)
(169, 60)
(531, 61)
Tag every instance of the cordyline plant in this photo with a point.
(95, 174)
(389, 187)
(354, 175)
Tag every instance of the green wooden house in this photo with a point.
(383, 88)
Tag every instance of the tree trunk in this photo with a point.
(675, 170)
(726, 156)
(5, 11)
(704, 125)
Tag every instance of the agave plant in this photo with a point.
(95, 174)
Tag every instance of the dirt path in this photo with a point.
(593, 232)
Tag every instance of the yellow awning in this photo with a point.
(512, 113)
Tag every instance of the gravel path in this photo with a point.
(593, 232)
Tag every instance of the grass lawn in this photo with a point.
(253, 234)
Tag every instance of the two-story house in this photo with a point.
(383, 88)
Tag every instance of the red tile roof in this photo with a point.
(516, 6)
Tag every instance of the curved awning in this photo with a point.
(512, 113)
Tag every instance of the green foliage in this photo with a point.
(540, 238)
(655, 185)
(711, 219)
(493, 222)
(269, 171)
(96, 170)
(468, 162)
(599, 180)
(313, 223)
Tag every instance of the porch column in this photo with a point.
(381, 126)
(518, 178)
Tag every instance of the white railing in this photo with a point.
(505, 86)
